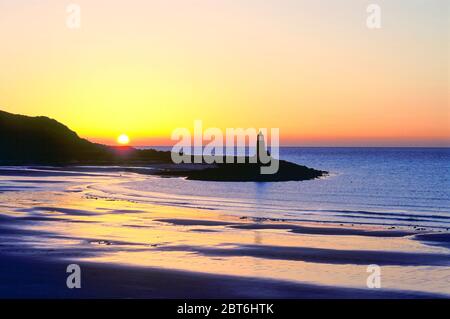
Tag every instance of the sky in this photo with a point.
(313, 69)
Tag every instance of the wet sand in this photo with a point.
(133, 249)
(35, 278)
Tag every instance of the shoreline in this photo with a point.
(144, 173)
(35, 275)
(43, 276)
(133, 249)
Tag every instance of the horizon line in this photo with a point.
(308, 146)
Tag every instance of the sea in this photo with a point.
(371, 186)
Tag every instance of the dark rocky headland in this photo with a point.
(40, 140)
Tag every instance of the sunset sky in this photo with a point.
(311, 68)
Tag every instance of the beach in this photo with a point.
(139, 247)
(231, 150)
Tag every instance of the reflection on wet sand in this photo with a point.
(61, 218)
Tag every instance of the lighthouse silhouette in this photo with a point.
(261, 150)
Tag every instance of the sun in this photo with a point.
(123, 139)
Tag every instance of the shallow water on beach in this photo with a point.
(374, 186)
(113, 217)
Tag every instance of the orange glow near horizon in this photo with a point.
(311, 69)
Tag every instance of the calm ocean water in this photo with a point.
(380, 186)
